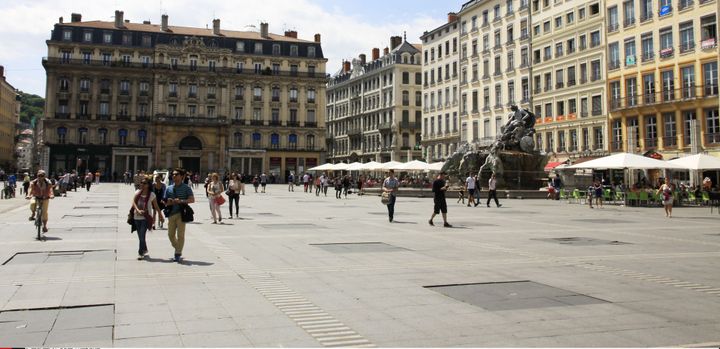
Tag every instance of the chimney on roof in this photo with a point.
(164, 23)
(317, 38)
(146, 22)
(2, 72)
(264, 30)
(216, 26)
(75, 17)
(119, 19)
(346, 66)
(291, 34)
(386, 50)
(452, 17)
(363, 58)
(60, 20)
(375, 53)
(395, 41)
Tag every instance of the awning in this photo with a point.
(551, 165)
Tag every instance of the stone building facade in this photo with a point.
(441, 94)
(141, 96)
(374, 107)
(663, 77)
(495, 65)
(568, 78)
(9, 118)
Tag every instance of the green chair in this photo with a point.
(644, 196)
(705, 198)
(564, 195)
(692, 198)
(607, 195)
(620, 197)
(632, 196)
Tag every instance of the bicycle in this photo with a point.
(38, 217)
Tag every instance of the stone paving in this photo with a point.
(298, 270)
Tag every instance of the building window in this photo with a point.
(293, 50)
(102, 136)
(292, 141)
(82, 135)
(713, 125)
(687, 37)
(274, 141)
(311, 95)
(666, 42)
(710, 77)
(67, 35)
(87, 36)
(293, 95)
(122, 136)
(104, 109)
(668, 85)
(256, 140)
(238, 140)
(238, 113)
(142, 137)
(311, 52)
(276, 49)
(688, 81)
(239, 46)
(631, 92)
(258, 48)
(257, 93)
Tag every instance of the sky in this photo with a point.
(347, 28)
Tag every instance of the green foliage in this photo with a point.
(31, 107)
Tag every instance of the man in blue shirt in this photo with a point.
(177, 195)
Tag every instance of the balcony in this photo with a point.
(103, 117)
(123, 117)
(386, 126)
(712, 138)
(571, 82)
(211, 96)
(104, 91)
(62, 115)
(524, 37)
(614, 65)
(648, 57)
(646, 17)
(669, 142)
(408, 125)
(293, 123)
(650, 142)
(275, 123)
(172, 94)
(628, 22)
(667, 52)
(196, 120)
(354, 132)
(257, 122)
(687, 47)
(613, 27)
(312, 124)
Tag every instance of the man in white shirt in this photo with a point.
(305, 178)
(470, 186)
(492, 193)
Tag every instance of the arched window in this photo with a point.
(292, 141)
(274, 141)
(61, 132)
(190, 143)
(122, 136)
(310, 142)
(82, 135)
(102, 136)
(142, 137)
(238, 140)
(257, 139)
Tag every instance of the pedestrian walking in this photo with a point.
(598, 193)
(305, 179)
(263, 181)
(26, 183)
(214, 190)
(390, 186)
(325, 182)
(492, 191)
(256, 183)
(461, 191)
(439, 187)
(177, 195)
(144, 202)
(470, 186)
(88, 181)
(97, 177)
(233, 193)
(346, 185)
(159, 189)
(291, 181)
(667, 197)
(318, 185)
(338, 187)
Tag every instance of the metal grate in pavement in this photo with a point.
(581, 241)
(514, 295)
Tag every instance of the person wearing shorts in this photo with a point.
(439, 188)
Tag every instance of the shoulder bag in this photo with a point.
(385, 198)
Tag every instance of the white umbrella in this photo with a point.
(415, 165)
(355, 166)
(436, 166)
(323, 167)
(391, 165)
(371, 166)
(339, 166)
(698, 162)
(626, 160)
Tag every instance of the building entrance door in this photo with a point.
(191, 164)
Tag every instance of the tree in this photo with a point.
(31, 107)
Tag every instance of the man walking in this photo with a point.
(291, 181)
(177, 195)
(492, 193)
(470, 186)
(439, 188)
(305, 179)
(390, 186)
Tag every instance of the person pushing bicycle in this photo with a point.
(40, 188)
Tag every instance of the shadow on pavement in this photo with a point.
(198, 263)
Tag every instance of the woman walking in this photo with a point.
(667, 197)
(159, 189)
(214, 192)
(234, 187)
(144, 202)
(390, 186)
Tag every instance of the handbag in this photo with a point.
(219, 200)
(186, 213)
(385, 198)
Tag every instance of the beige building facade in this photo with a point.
(374, 107)
(568, 77)
(494, 65)
(663, 77)
(9, 118)
(441, 94)
(125, 96)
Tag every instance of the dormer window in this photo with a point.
(87, 36)
(107, 38)
(67, 35)
(311, 52)
(258, 48)
(293, 50)
(240, 46)
(276, 49)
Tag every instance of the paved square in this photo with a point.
(297, 270)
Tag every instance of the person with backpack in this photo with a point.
(144, 202)
(177, 195)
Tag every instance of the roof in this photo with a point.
(408, 47)
(156, 28)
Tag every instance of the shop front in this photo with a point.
(80, 158)
(130, 159)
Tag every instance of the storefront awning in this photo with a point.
(551, 165)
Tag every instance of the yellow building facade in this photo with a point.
(9, 109)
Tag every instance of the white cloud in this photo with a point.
(345, 34)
